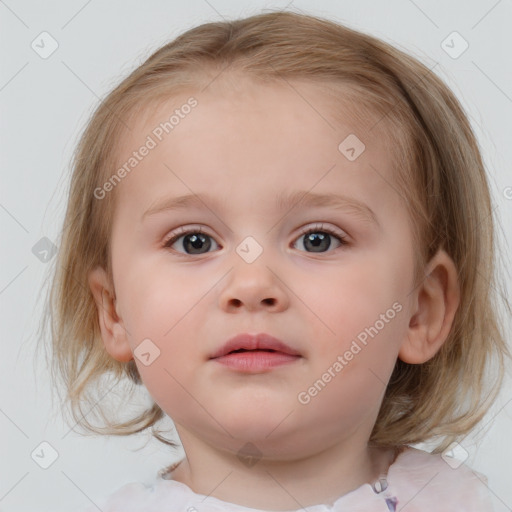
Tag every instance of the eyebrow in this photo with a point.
(284, 202)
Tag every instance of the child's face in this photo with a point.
(240, 152)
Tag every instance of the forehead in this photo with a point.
(300, 104)
(264, 137)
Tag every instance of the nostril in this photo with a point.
(236, 303)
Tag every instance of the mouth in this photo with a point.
(255, 353)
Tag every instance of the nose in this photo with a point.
(254, 287)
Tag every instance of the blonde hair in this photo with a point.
(439, 173)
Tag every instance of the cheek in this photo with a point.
(168, 386)
(363, 301)
(168, 307)
(353, 294)
(155, 300)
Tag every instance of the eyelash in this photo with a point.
(305, 231)
(320, 228)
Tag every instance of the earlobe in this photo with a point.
(113, 333)
(435, 303)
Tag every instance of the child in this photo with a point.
(282, 228)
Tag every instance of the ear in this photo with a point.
(435, 303)
(112, 329)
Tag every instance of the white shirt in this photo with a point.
(422, 481)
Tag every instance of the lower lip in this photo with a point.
(255, 361)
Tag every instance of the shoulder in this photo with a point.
(137, 497)
(422, 480)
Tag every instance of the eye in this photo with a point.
(194, 241)
(319, 238)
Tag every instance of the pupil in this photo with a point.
(318, 241)
(196, 242)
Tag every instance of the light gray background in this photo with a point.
(45, 103)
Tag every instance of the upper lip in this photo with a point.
(260, 341)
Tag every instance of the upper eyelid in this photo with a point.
(341, 234)
(322, 226)
(182, 231)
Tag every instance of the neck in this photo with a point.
(290, 484)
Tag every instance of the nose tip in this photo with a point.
(253, 287)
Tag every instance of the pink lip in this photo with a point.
(259, 356)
